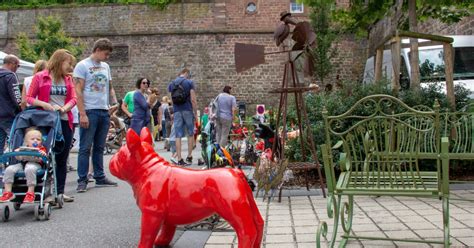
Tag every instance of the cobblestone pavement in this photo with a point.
(108, 217)
(294, 221)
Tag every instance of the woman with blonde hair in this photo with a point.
(53, 89)
(39, 66)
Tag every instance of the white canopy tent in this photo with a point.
(25, 70)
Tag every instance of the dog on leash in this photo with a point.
(169, 196)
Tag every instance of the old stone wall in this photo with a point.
(199, 35)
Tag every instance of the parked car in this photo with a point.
(431, 64)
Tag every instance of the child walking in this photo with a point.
(33, 141)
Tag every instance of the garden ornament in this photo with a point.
(169, 196)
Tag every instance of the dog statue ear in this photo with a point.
(133, 141)
(145, 136)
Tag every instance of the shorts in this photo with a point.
(183, 120)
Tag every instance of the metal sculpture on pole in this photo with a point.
(250, 55)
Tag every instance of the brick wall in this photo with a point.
(200, 36)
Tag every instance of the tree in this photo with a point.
(323, 51)
(50, 36)
(362, 14)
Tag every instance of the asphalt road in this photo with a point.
(100, 217)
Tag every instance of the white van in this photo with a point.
(431, 64)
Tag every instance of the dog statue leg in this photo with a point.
(165, 235)
(258, 220)
(242, 220)
(150, 226)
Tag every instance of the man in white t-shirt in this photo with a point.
(93, 90)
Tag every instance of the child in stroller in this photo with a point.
(49, 125)
(33, 142)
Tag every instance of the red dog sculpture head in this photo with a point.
(168, 195)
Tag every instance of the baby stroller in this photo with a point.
(48, 122)
(115, 136)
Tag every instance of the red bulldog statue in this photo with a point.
(168, 195)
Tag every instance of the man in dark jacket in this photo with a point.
(10, 96)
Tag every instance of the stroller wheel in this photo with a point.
(5, 213)
(17, 205)
(38, 212)
(47, 211)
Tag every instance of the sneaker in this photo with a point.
(67, 198)
(182, 163)
(7, 196)
(81, 187)
(173, 160)
(70, 168)
(200, 161)
(29, 198)
(105, 183)
(189, 160)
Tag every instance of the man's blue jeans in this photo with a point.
(93, 137)
(5, 127)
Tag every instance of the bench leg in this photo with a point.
(446, 220)
(346, 223)
(333, 212)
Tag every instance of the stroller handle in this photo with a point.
(5, 156)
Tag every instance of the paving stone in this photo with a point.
(406, 234)
(278, 238)
(467, 240)
(302, 211)
(278, 223)
(220, 239)
(412, 219)
(365, 227)
(392, 226)
(429, 234)
(370, 234)
(409, 245)
(282, 245)
(305, 222)
(421, 225)
(304, 216)
(279, 206)
(461, 233)
(405, 212)
(279, 217)
(308, 206)
(305, 237)
(278, 212)
(376, 243)
(385, 219)
(309, 245)
(279, 230)
(306, 229)
(362, 220)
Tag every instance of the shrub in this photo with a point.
(339, 101)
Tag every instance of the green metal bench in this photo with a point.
(383, 142)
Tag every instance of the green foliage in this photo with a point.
(50, 36)
(323, 52)
(338, 102)
(363, 14)
(7, 4)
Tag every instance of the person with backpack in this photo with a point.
(226, 109)
(184, 107)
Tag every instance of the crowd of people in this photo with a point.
(84, 95)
